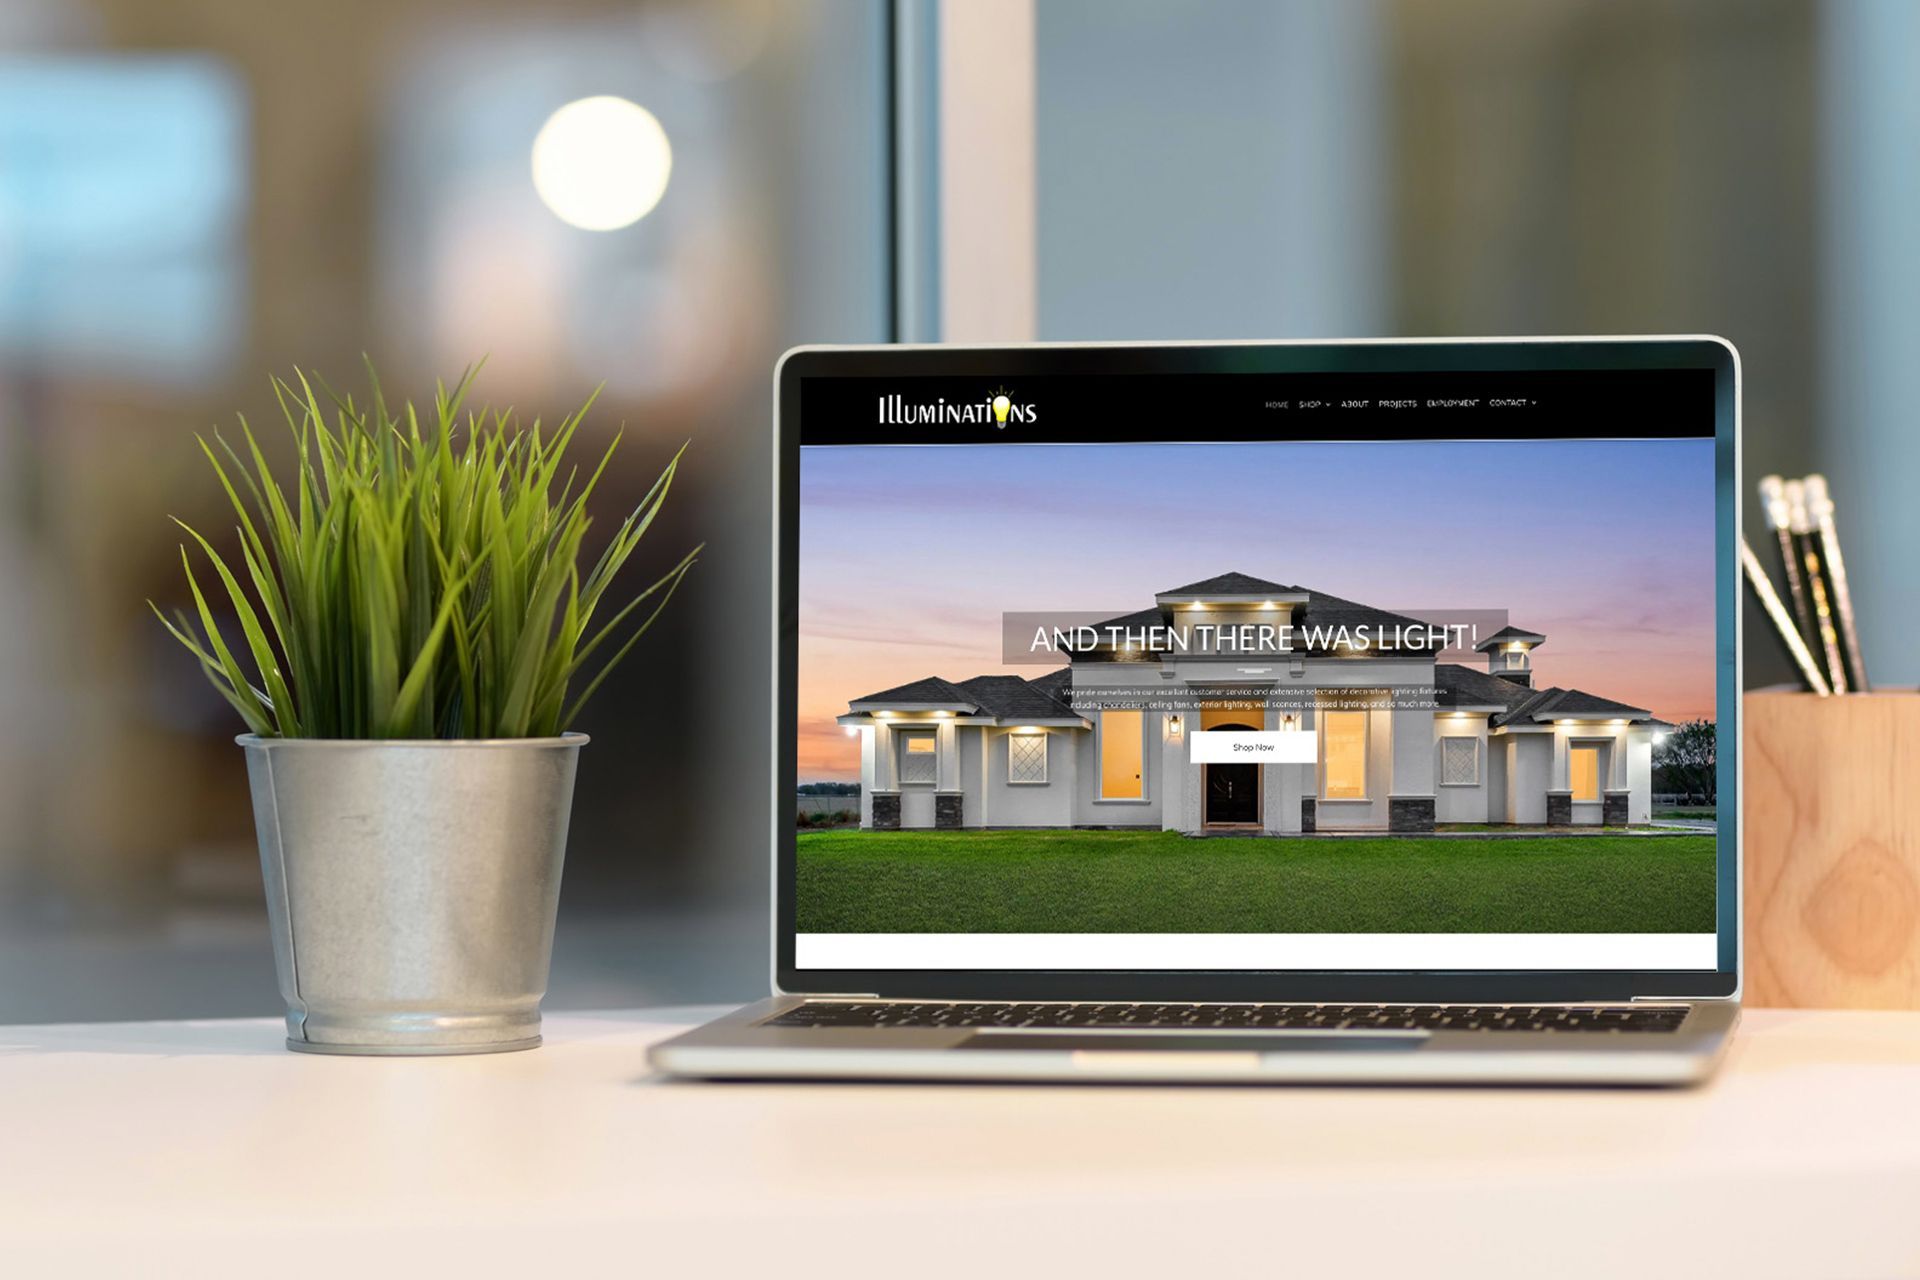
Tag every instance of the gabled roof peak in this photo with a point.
(1510, 635)
(1231, 584)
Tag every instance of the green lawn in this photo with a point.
(1163, 882)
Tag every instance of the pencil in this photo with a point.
(1782, 621)
(1773, 500)
(1820, 507)
(1816, 579)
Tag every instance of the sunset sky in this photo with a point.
(910, 555)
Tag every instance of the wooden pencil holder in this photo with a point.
(1832, 859)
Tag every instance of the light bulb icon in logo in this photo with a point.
(1001, 403)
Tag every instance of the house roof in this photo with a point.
(931, 691)
(1314, 610)
(1011, 698)
(1506, 634)
(1571, 704)
(997, 697)
(1137, 621)
(1329, 611)
(1141, 618)
(1049, 697)
(1458, 686)
(1056, 684)
(1230, 584)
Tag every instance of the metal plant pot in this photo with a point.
(411, 887)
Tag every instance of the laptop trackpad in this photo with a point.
(1185, 1042)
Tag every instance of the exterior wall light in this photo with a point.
(1173, 727)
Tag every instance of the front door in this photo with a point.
(1233, 791)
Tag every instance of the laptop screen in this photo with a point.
(1158, 669)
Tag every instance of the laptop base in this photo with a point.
(743, 1045)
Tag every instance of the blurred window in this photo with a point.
(1378, 168)
(123, 190)
(196, 197)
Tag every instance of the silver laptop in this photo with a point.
(1266, 712)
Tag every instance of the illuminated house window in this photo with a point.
(1121, 737)
(1584, 769)
(1027, 758)
(1459, 762)
(1345, 736)
(916, 757)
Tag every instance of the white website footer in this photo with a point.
(1256, 951)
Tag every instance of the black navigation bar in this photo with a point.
(1641, 404)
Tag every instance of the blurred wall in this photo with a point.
(1213, 171)
(1295, 169)
(1621, 167)
(1869, 323)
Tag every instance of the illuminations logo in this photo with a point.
(1002, 403)
(999, 407)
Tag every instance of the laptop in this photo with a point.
(1256, 712)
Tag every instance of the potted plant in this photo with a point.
(417, 634)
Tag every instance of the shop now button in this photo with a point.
(1251, 746)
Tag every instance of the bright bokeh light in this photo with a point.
(601, 163)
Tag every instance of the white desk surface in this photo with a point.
(204, 1148)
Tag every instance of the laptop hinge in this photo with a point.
(1664, 1000)
(834, 995)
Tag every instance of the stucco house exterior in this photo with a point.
(1402, 741)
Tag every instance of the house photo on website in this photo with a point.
(1404, 742)
(1219, 686)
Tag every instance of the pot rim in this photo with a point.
(566, 741)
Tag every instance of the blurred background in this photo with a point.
(196, 195)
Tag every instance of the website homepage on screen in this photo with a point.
(1257, 672)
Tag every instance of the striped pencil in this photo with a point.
(1773, 500)
(1807, 545)
(1782, 621)
(1820, 507)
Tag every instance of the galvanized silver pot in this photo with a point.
(411, 887)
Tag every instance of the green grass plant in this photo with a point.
(416, 575)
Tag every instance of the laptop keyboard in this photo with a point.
(1656, 1019)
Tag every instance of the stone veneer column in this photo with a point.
(1613, 811)
(1409, 813)
(946, 809)
(1559, 808)
(1309, 806)
(886, 811)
